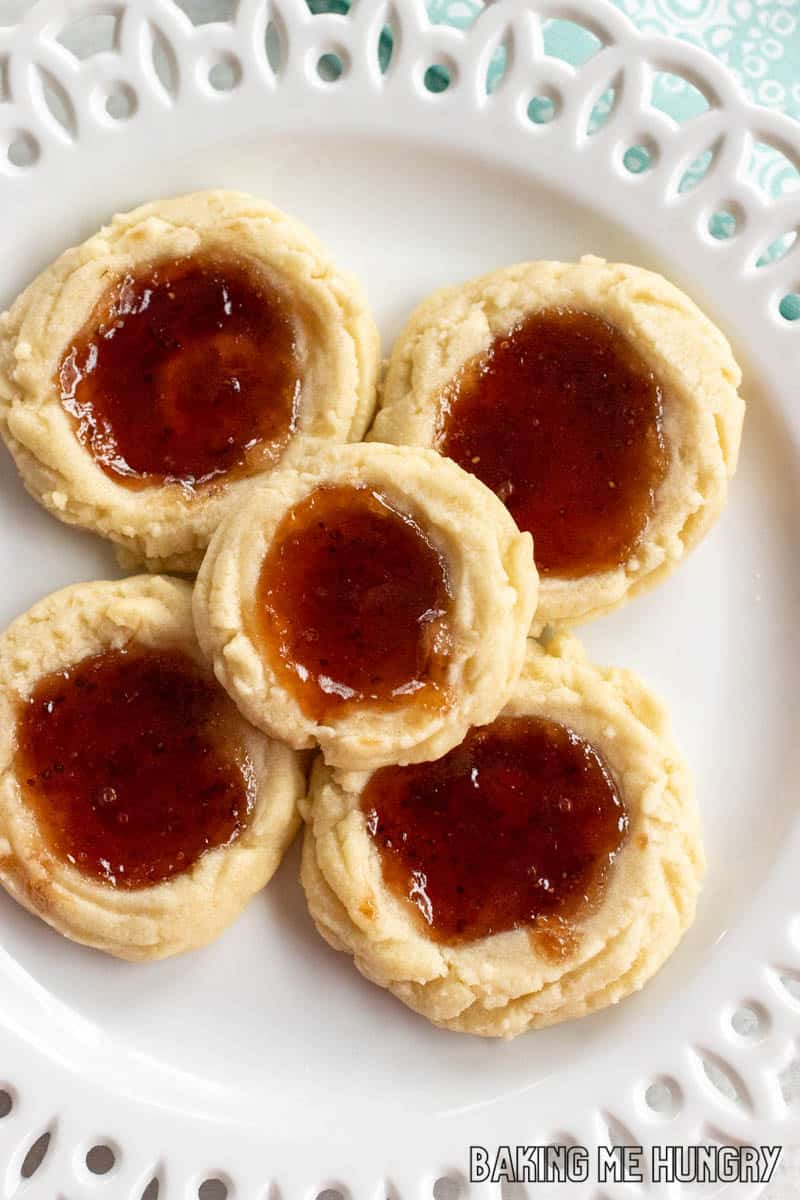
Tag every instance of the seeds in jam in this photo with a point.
(353, 603)
(186, 371)
(518, 826)
(130, 763)
(562, 419)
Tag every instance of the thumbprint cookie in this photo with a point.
(545, 867)
(595, 400)
(151, 374)
(138, 811)
(373, 601)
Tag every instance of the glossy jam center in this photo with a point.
(130, 763)
(185, 371)
(518, 826)
(562, 420)
(353, 604)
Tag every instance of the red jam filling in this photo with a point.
(517, 826)
(186, 371)
(562, 419)
(353, 603)
(131, 766)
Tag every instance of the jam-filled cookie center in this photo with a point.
(187, 370)
(518, 826)
(353, 604)
(562, 419)
(130, 763)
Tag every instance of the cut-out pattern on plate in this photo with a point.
(506, 69)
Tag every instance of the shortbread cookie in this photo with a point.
(150, 375)
(597, 402)
(374, 601)
(545, 868)
(138, 811)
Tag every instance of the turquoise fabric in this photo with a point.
(759, 40)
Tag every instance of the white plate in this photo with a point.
(266, 1058)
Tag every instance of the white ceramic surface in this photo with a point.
(266, 1059)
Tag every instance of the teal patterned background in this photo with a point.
(759, 40)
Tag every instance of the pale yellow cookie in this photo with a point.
(91, 903)
(457, 330)
(81, 467)
(525, 977)
(467, 646)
